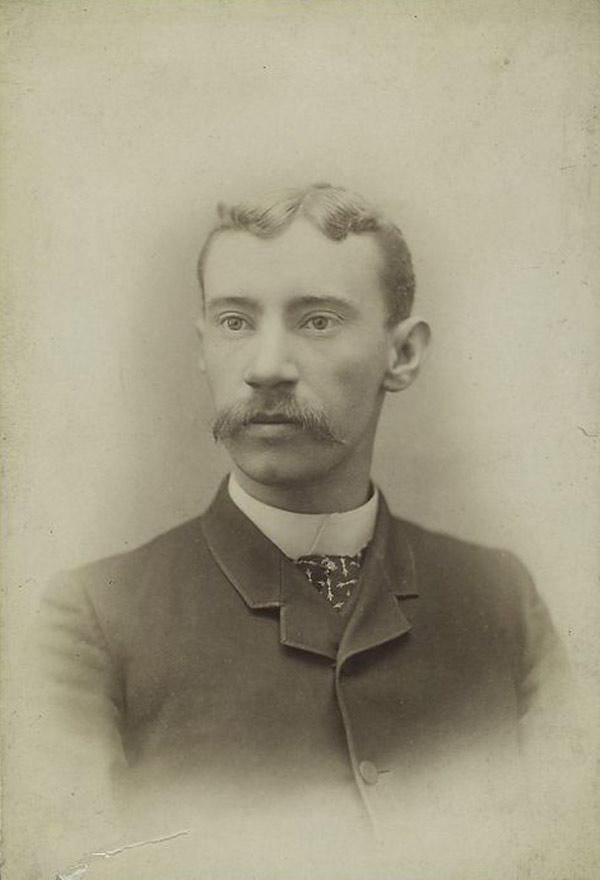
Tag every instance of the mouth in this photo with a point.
(271, 419)
(272, 427)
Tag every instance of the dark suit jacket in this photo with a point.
(205, 664)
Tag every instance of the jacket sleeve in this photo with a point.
(551, 729)
(82, 691)
(542, 668)
(75, 729)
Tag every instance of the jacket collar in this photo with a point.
(265, 578)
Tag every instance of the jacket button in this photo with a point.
(368, 771)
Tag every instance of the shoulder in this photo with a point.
(487, 590)
(102, 594)
(439, 555)
(482, 585)
(179, 543)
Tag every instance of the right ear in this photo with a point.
(200, 328)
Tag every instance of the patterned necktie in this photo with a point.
(334, 577)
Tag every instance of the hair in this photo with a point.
(337, 213)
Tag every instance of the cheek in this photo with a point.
(362, 367)
(353, 382)
(221, 371)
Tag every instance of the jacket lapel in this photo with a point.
(266, 579)
(246, 557)
(388, 578)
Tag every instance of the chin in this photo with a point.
(281, 468)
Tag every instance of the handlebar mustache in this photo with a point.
(231, 420)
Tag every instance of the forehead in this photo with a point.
(299, 261)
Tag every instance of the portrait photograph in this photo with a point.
(300, 423)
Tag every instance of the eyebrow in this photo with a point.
(232, 302)
(322, 300)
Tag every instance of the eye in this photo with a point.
(321, 323)
(234, 323)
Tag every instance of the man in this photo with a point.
(297, 658)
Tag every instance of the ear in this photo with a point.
(200, 328)
(409, 343)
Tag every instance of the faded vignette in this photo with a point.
(124, 124)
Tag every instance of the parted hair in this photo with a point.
(337, 213)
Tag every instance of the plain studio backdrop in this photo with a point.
(472, 123)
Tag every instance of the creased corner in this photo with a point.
(74, 873)
(79, 870)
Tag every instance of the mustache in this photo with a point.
(307, 416)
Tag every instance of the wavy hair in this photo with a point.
(337, 213)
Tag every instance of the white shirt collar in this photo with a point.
(301, 534)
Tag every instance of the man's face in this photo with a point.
(295, 326)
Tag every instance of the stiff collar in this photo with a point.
(265, 578)
(302, 534)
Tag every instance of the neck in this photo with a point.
(334, 493)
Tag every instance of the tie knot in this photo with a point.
(333, 576)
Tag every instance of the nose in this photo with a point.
(271, 362)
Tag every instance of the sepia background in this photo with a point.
(472, 123)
